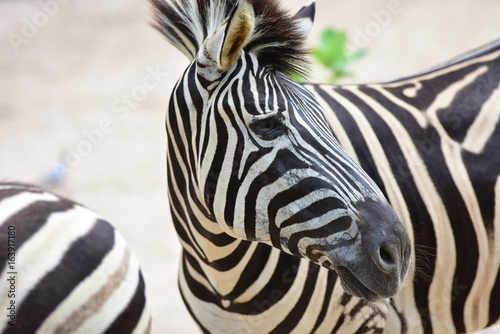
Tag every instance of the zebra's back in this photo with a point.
(431, 142)
(64, 269)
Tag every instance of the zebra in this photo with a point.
(364, 118)
(274, 218)
(431, 142)
(64, 269)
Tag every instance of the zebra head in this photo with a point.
(256, 153)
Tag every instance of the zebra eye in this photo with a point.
(268, 126)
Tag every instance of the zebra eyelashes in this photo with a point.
(270, 125)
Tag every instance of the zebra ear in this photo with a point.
(305, 17)
(223, 47)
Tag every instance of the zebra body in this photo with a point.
(432, 143)
(68, 271)
(260, 191)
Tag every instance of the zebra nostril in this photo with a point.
(386, 257)
(384, 236)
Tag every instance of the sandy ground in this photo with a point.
(85, 84)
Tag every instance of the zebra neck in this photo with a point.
(230, 279)
(244, 280)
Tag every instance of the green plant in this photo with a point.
(333, 54)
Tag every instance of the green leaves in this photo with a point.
(333, 54)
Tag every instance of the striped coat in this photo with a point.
(432, 143)
(66, 269)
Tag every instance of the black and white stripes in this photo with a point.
(261, 193)
(73, 272)
(432, 143)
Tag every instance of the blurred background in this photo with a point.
(85, 85)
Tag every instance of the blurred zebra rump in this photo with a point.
(64, 269)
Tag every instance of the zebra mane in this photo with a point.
(277, 41)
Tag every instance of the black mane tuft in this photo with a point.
(278, 41)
